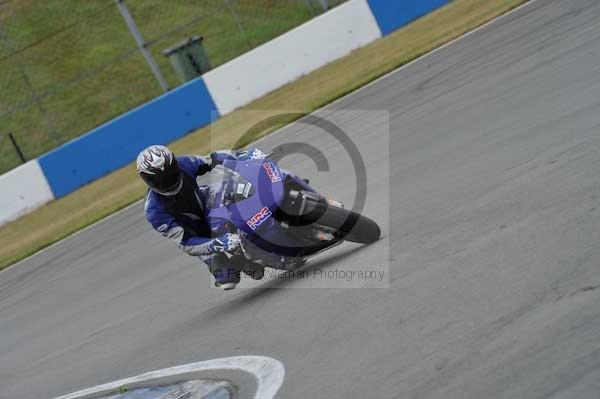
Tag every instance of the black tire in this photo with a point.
(350, 226)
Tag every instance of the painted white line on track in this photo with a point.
(397, 70)
(257, 377)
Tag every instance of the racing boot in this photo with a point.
(225, 286)
(226, 275)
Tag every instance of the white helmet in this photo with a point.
(157, 166)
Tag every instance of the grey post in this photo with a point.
(310, 7)
(323, 3)
(142, 44)
(238, 22)
(17, 148)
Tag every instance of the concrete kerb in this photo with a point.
(256, 377)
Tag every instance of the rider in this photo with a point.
(176, 206)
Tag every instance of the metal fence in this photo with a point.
(67, 66)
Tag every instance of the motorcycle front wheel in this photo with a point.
(348, 225)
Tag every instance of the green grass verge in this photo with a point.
(122, 187)
(81, 60)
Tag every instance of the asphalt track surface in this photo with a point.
(494, 231)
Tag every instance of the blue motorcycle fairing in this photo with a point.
(269, 194)
(255, 215)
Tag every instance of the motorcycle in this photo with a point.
(281, 220)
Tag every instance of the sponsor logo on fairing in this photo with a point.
(272, 172)
(259, 218)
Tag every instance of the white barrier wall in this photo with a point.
(23, 189)
(284, 59)
(288, 57)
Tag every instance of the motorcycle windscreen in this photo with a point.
(227, 187)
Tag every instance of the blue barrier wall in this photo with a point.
(394, 14)
(177, 113)
(117, 142)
